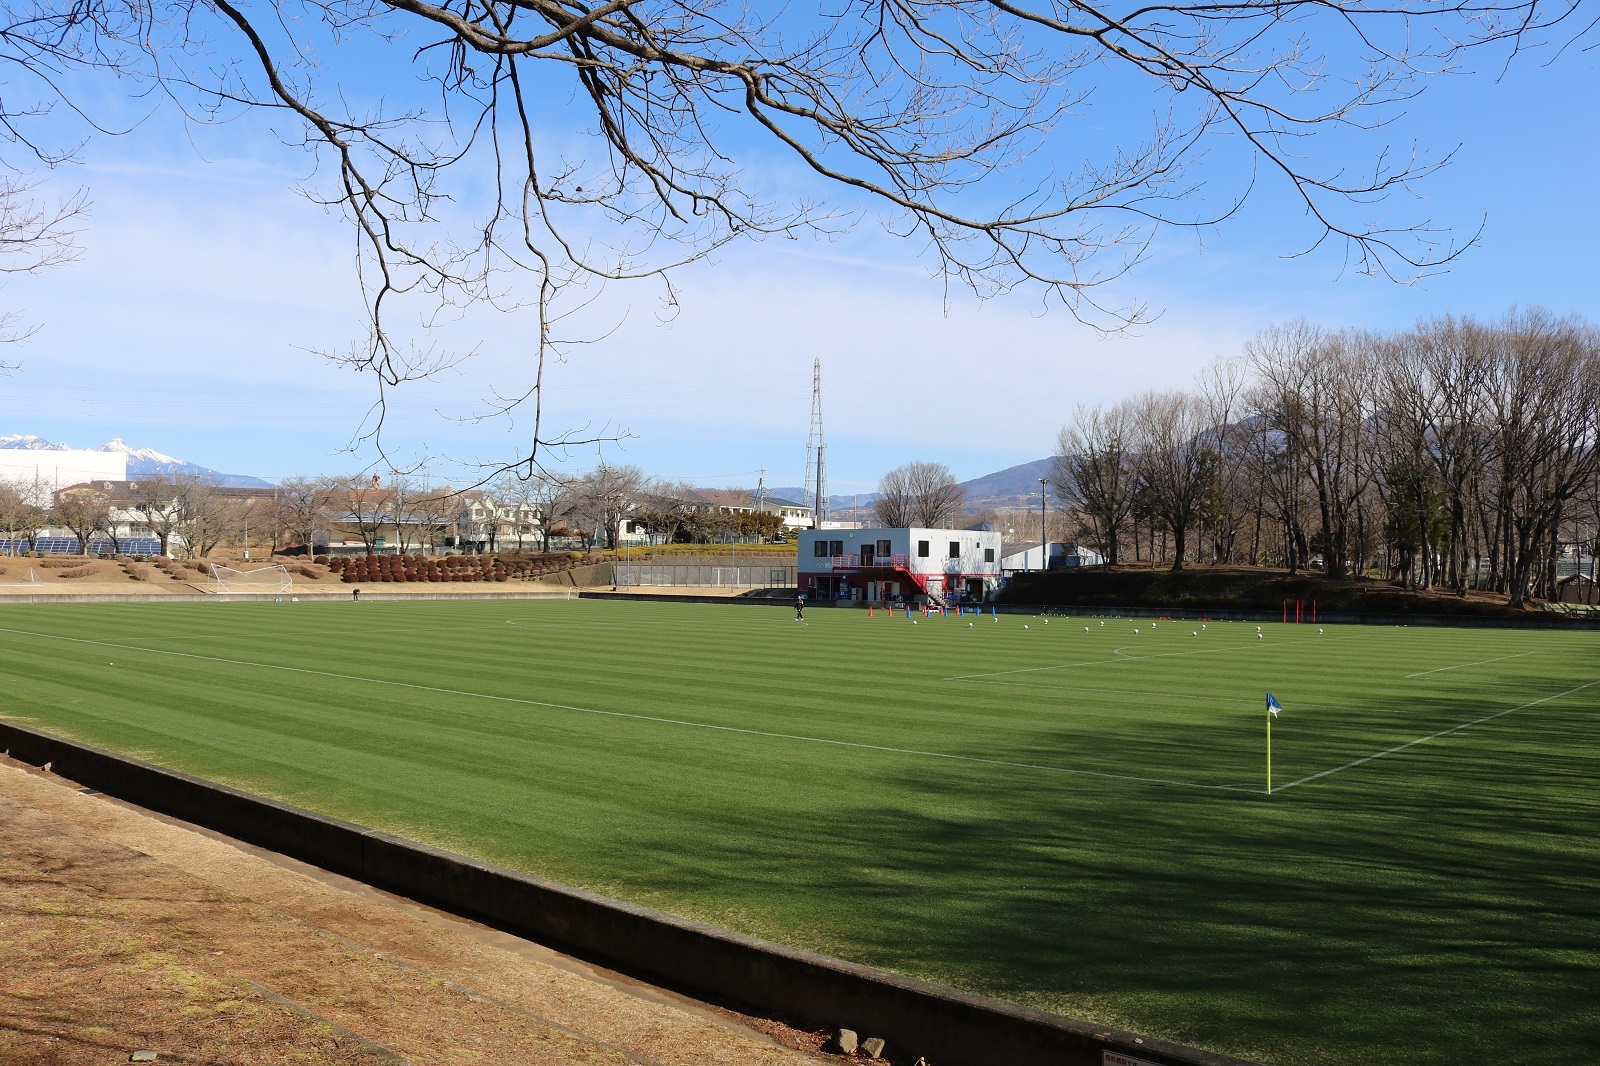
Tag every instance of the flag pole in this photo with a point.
(1269, 750)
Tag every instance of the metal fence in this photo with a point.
(670, 574)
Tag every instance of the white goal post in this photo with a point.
(263, 579)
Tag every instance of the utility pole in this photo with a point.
(816, 476)
(1044, 543)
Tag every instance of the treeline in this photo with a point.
(1459, 454)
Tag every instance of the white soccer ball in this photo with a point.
(1260, 637)
(1102, 623)
(1086, 629)
(913, 621)
(1135, 632)
(1024, 626)
(969, 625)
(1194, 633)
(1319, 632)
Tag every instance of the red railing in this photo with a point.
(875, 562)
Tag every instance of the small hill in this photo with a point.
(1239, 588)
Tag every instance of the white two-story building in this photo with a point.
(875, 564)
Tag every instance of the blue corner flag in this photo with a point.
(1273, 707)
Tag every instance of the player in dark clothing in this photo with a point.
(800, 608)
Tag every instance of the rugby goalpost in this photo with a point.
(263, 579)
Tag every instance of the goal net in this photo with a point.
(263, 579)
(32, 579)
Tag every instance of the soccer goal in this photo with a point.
(27, 582)
(264, 579)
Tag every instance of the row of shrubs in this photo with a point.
(502, 567)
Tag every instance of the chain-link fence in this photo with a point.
(742, 577)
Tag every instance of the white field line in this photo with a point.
(1076, 689)
(1135, 658)
(1440, 733)
(636, 717)
(1463, 666)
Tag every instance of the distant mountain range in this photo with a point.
(142, 462)
(1004, 488)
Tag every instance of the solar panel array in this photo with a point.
(69, 546)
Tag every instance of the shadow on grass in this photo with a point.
(1441, 908)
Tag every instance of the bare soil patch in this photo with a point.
(122, 930)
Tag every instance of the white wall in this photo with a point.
(52, 470)
(903, 541)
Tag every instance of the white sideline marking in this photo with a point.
(1462, 666)
(637, 717)
(1440, 733)
(1135, 658)
(1075, 689)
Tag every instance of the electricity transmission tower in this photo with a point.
(816, 449)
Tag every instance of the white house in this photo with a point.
(735, 501)
(874, 564)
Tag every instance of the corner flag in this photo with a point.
(1273, 707)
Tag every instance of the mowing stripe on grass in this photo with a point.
(639, 717)
(1135, 658)
(1440, 733)
(1463, 666)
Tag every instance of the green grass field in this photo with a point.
(1072, 820)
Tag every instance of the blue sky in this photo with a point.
(208, 286)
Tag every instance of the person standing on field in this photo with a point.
(355, 594)
(800, 607)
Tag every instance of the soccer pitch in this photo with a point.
(1072, 820)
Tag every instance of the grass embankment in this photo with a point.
(1070, 819)
(1239, 588)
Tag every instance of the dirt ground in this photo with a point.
(121, 930)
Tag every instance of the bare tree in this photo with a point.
(552, 499)
(916, 110)
(919, 494)
(34, 236)
(83, 511)
(605, 495)
(1093, 471)
(207, 515)
(1316, 388)
(936, 495)
(515, 494)
(363, 508)
(894, 505)
(18, 515)
(159, 501)
(306, 507)
(1172, 461)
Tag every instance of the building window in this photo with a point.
(922, 549)
(988, 555)
(836, 547)
(955, 549)
(819, 549)
(885, 547)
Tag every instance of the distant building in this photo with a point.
(734, 501)
(1025, 556)
(875, 564)
(40, 473)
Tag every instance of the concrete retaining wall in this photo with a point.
(951, 1028)
(1536, 620)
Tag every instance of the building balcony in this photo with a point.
(870, 562)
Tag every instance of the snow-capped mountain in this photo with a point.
(31, 443)
(142, 462)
